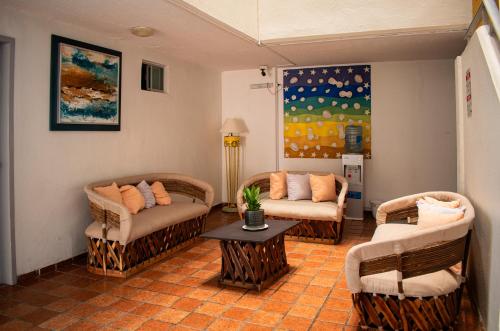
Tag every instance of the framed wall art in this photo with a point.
(327, 111)
(85, 86)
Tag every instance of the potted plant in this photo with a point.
(254, 216)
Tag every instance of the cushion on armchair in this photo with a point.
(431, 214)
(448, 204)
(433, 284)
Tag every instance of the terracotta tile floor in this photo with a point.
(181, 293)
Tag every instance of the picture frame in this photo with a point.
(327, 111)
(85, 86)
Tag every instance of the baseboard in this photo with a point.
(50, 268)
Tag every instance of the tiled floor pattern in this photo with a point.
(182, 293)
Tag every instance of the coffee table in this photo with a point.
(252, 259)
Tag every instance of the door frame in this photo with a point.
(7, 47)
(460, 115)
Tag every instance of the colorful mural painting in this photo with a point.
(324, 107)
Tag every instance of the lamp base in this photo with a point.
(229, 209)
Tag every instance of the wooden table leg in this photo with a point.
(253, 265)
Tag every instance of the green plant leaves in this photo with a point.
(252, 197)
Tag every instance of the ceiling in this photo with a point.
(195, 37)
(445, 45)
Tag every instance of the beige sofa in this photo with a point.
(408, 277)
(120, 243)
(320, 221)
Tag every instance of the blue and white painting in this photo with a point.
(89, 83)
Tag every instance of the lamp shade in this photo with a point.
(234, 125)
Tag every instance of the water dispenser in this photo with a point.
(353, 172)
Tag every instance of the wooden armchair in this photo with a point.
(402, 278)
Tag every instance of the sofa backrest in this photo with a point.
(404, 207)
(262, 180)
(174, 183)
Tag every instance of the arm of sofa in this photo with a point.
(109, 213)
(341, 196)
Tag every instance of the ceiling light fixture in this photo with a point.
(142, 31)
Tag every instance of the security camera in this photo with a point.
(263, 71)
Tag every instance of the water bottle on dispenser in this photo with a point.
(353, 139)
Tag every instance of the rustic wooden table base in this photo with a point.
(251, 264)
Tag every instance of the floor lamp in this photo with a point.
(232, 129)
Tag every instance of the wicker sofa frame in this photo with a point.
(118, 258)
(399, 312)
(309, 229)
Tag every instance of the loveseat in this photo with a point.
(120, 244)
(320, 221)
(410, 277)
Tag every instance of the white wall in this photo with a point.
(481, 170)
(175, 132)
(256, 108)
(413, 128)
(298, 18)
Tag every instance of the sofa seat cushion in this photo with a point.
(300, 209)
(391, 231)
(433, 284)
(153, 219)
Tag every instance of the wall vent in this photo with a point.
(152, 77)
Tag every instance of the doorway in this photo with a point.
(8, 273)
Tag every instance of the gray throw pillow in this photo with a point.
(299, 187)
(147, 193)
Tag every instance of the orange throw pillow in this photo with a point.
(161, 195)
(132, 198)
(111, 192)
(278, 189)
(323, 188)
